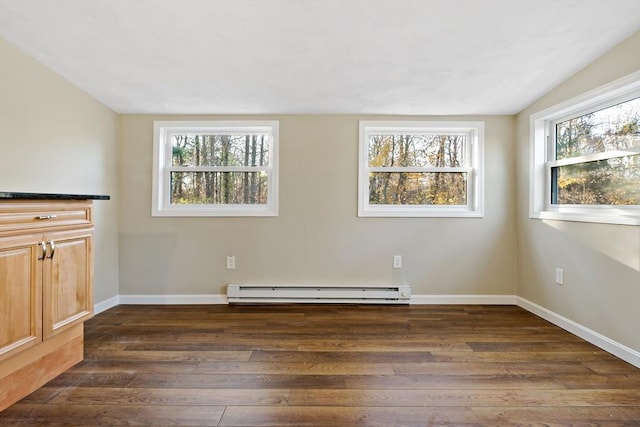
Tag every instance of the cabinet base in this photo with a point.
(29, 370)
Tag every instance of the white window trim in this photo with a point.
(475, 183)
(162, 161)
(542, 158)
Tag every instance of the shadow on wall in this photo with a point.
(147, 258)
(620, 243)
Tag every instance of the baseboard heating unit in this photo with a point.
(316, 294)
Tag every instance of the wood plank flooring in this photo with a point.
(334, 365)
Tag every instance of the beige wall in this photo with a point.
(601, 262)
(317, 237)
(55, 138)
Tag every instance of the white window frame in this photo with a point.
(542, 155)
(162, 158)
(474, 130)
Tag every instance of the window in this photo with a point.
(215, 168)
(586, 157)
(421, 169)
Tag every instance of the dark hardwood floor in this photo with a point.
(334, 365)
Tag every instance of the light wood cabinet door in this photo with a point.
(67, 277)
(20, 293)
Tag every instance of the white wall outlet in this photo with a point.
(231, 262)
(559, 276)
(397, 261)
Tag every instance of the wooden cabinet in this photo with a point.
(20, 294)
(66, 291)
(46, 275)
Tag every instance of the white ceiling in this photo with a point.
(390, 57)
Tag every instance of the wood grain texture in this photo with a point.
(346, 416)
(22, 381)
(68, 281)
(333, 365)
(20, 295)
(556, 416)
(17, 216)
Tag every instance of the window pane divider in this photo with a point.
(400, 169)
(218, 132)
(219, 169)
(595, 157)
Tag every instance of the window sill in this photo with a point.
(603, 215)
(407, 212)
(227, 211)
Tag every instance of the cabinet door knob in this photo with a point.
(53, 249)
(43, 246)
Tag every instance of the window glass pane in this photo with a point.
(433, 188)
(605, 182)
(613, 128)
(220, 150)
(218, 187)
(417, 150)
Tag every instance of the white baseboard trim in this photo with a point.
(106, 304)
(464, 299)
(222, 299)
(173, 299)
(607, 344)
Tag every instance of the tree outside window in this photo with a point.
(601, 157)
(215, 168)
(420, 168)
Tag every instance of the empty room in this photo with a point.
(319, 212)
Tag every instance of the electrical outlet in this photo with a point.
(231, 262)
(397, 261)
(559, 276)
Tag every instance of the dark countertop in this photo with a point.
(8, 195)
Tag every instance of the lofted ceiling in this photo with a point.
(297, 56)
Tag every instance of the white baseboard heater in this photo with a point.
(316, 294)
